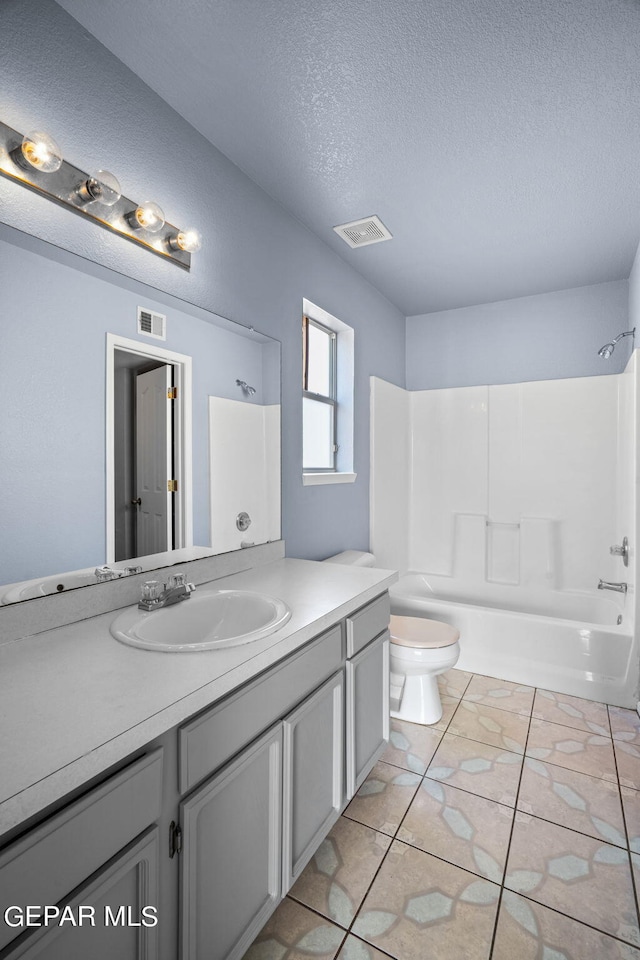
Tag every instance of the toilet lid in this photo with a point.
(418, 632)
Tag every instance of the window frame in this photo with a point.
(330, 399)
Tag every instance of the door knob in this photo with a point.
(137, 502)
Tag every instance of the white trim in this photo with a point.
(184, 436)
(345, 373)
(311, 479)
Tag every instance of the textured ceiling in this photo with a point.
(499, 140)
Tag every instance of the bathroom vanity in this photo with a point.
(178, 796)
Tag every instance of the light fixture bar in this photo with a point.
(62, 186)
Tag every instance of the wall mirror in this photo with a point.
(135, 429)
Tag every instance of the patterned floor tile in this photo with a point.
(460, 827)
(419, 907)
(490, 725)
(631, 804)
(354, 949)
(529, 931)
(628, 760)
(338, 876)
(581, 877)
(635, 865)
(384, 798)
(449, 706)
(293, 933)
(477, 767)
(625, 724)
(572, 712)
(411, 745)
(501, 693)
(453, 683)
(572, 748)
(573, 800)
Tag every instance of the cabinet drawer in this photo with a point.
(52, 859)
(213, 738)
(367, 623)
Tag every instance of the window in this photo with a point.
(327, 397)
(319, 405)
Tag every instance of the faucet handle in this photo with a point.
(151, 590)
(621, 550)
(180, 580)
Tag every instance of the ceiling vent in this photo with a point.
(360, 233)
(152, 324)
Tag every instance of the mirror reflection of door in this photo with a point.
(144, 456)
(154, 461)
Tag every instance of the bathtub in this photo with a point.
(574, 643)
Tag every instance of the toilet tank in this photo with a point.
(355, 558)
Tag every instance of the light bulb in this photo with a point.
(188, 240)
(149, 216)
(42, 152)
(101, 186)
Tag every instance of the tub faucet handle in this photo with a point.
(621, 550)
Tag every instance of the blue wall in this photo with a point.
(257, 263)
(546, 337)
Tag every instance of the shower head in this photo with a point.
(606, 351)
(246, 388)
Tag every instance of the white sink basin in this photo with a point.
(206, 621)
(30, 589)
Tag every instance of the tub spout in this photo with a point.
(618, 587)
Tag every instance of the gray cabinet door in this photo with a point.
(367, 710)
(115, 897)
(230, 870)
(313, 775)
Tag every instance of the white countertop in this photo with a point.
(74, 701)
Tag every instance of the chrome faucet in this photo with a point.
(156, 594)
(618, 587)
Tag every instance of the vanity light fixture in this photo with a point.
(148, 216)
(102, 187)
(36, 162)
(189, 240)
(41, 151)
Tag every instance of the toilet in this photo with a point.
(420, 650)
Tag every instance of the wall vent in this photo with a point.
(360, 233)
(152, 324)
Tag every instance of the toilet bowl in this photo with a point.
(420, 650)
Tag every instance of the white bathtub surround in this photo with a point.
(507, 502)
(389, 476)
(556, 640)
(249, 478)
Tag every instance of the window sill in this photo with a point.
(310, 479)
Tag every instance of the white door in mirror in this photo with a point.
(207, 621)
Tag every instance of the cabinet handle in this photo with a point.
(175, 839)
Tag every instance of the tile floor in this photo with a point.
(510, 830)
